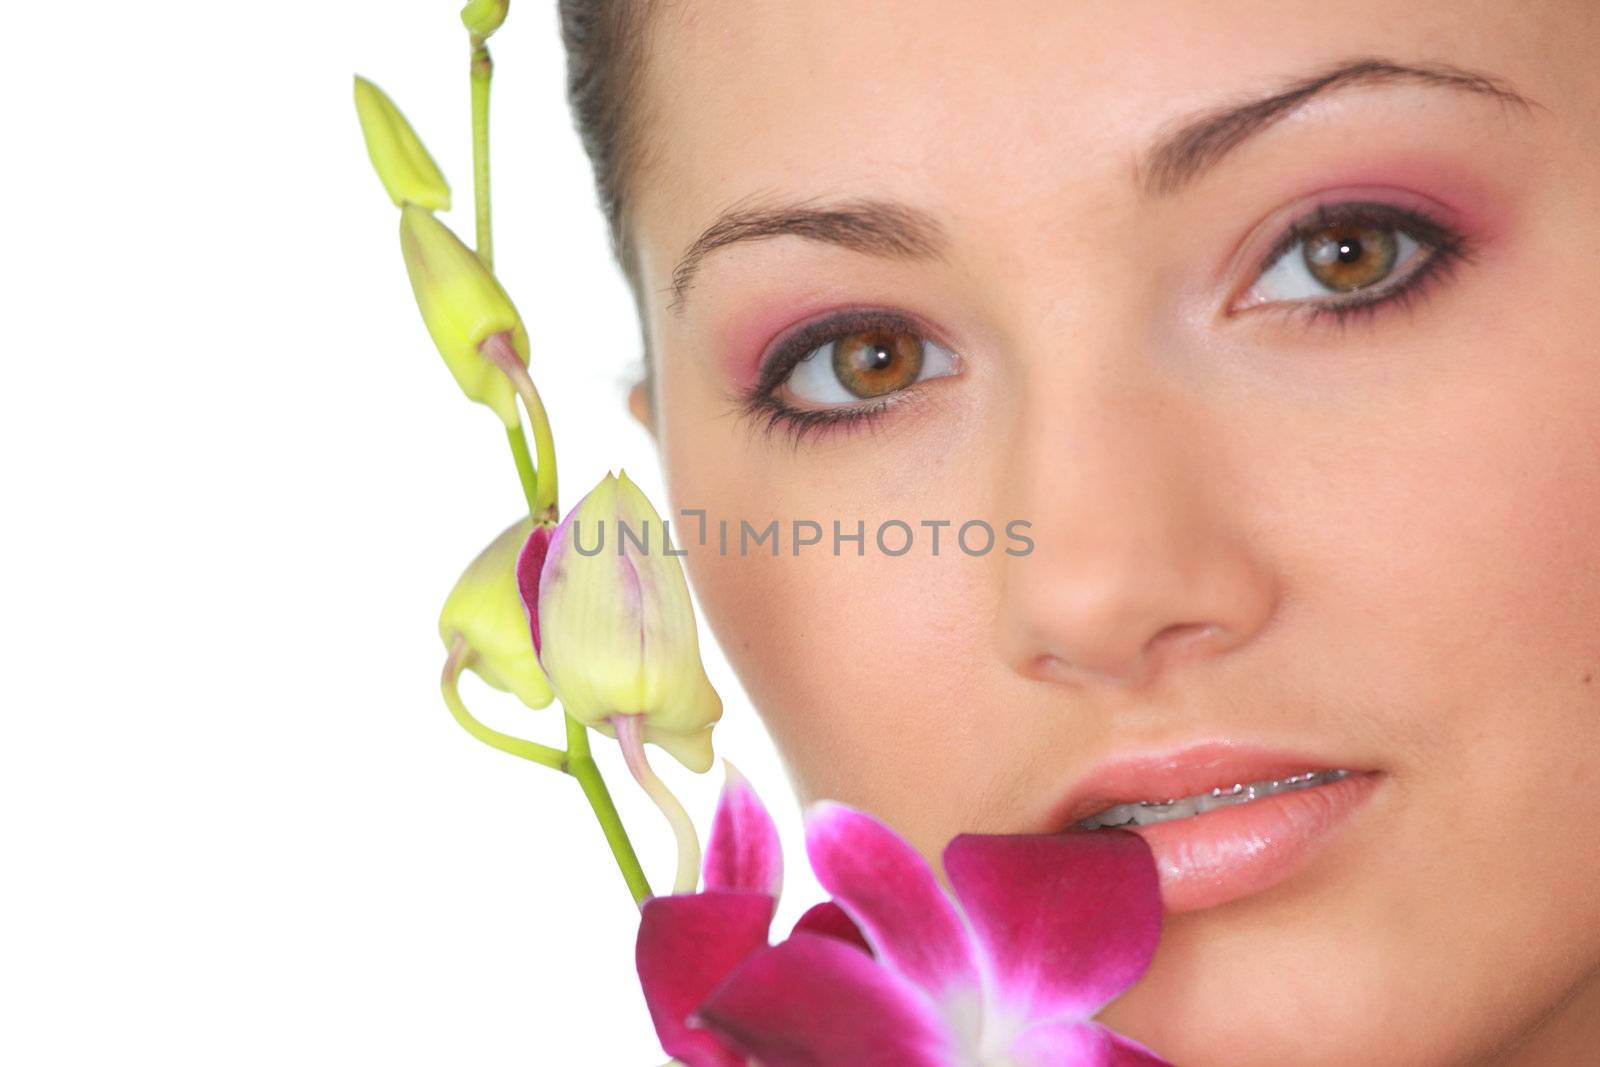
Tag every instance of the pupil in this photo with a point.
(875, 362)
(1344, 258)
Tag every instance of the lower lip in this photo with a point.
(1234, 852)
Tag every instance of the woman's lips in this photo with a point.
(1229, 852)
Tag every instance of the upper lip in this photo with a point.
(1196, 768)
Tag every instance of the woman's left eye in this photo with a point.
(1351, 255)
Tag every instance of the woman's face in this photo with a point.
(1299, 403)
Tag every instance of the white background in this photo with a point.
(239, 826)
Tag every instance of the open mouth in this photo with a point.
(1150, 812)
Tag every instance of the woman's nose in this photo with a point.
(1142, 558)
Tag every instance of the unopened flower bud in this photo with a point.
(483, 17)
(407, 171)
(463, 305)
(614, 627)
(485, 608)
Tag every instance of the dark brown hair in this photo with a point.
(606, 53)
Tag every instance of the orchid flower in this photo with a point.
(483, 17)
(613, 625)
(1050, 928)
(615, 634)
(408, 172)
(484, 623)
(690, 942)
(468, 314)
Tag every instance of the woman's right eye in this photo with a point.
(1355, 255)
(865, 364)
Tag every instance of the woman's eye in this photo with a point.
(865, 365)
(1350, 255)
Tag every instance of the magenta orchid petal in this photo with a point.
(742, 851)
(1067, 921)
(1080, 1045)
(530, 561)
(1126, 1052)
(830, 920)
(815, 1000)
(891, 893)
(1062, 1045)
(687, 945)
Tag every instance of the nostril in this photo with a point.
(1179, 639)
(1048, 668)
(1051, 668)
(1170, 646)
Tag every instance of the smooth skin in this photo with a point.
(1374, 539)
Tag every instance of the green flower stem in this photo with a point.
(544, 502)
(498, 350)
(460, 656)
(525, 471)
(580, 764)
(545, 445)
(482, 73)
(576, 761)
(539, 486)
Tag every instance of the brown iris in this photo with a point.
(874, 362)
(1348, 256)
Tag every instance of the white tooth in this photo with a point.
(1272, 787)
(1149, 812)
(1219, 798)
(1116, 816)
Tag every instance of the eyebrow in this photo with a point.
(893, 230)
(1199, 142)
(876, 227)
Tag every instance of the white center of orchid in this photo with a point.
(986, 1031)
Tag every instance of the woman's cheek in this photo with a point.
(859, 665)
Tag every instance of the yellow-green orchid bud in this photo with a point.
(463, 306)
(483, 17)
(613, 624)
(485, 607)
(407, 171)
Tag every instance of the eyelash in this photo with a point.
(1445, 248)
(760, 401)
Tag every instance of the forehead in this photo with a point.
(991, 104)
